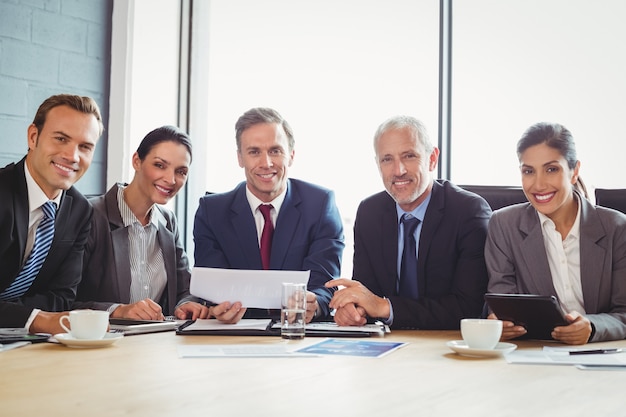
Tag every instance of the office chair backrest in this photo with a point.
(612, 198)
(498, 196)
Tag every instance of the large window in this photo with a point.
(337, 69)
(144, 78)
(334, 69)
(518, 62)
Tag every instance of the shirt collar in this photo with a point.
(547, 223)
(36, 196)
(128, 217)
(255, 202)
(418, 212)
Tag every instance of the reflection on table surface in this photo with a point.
(143, 375)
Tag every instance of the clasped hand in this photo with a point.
(354, 303)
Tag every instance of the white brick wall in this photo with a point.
(49, 47)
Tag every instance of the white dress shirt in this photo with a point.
(564, 261)
(147, 267)
(258, 216)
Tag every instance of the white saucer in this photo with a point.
(107, 340)
(460, 347)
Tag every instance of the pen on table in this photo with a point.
(595, 351)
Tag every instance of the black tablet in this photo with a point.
(539, 314)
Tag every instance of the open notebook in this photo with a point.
(268, 327)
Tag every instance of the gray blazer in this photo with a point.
(517, 262)
(106, 274)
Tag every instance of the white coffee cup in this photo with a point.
(481, 333)
(86, 324)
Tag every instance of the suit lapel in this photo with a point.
(432, 219)
(121, 247)
(21, 209)
(63, 216)
(168, 249)
(534, 252)
(242, 222)
(286, 226)
(389, 245)
(591, 232)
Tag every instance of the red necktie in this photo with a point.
(266, 236)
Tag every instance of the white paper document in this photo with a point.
(253, 288)
(240, 351)
(562, 356)
(14, 345)
(243, 324)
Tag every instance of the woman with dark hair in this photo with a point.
(559, 243)
(134, 265)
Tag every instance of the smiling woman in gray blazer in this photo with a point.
(134, 264)
(559, 243)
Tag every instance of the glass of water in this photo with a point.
(293, 311)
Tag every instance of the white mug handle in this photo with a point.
(62, 325)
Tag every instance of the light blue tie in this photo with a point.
(43, 240)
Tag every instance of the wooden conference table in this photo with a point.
(143, 376)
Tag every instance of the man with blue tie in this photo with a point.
(270, 221)
(44, 220)
(418, 246)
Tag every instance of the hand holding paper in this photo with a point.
(251, 288)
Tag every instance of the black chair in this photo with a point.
(498, 196)
(612, 198)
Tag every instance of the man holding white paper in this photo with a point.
(303, 230)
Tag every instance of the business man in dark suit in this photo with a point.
(442, 277)
(61, 143)
(307, 228)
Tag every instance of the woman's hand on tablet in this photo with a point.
(509, 329)
(576, 333)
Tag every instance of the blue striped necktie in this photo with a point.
(43, 240)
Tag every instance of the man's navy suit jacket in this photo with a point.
(308, 235)
(452, 276)
(54, 287)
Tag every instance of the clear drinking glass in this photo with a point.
(293, 311)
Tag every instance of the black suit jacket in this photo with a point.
(54, 288)
(452, 277)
